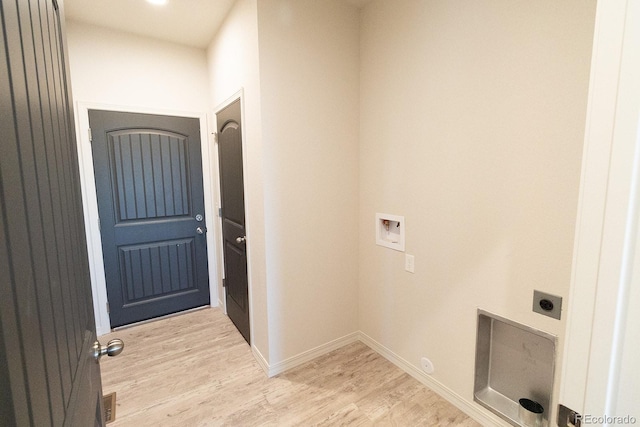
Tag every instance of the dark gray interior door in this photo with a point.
(233, 219)
(148, 171)
(47, 329)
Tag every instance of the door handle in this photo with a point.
(241, 239)
(113, 348)
(200, 230)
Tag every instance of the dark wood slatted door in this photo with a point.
(47, 329)
(233, 219)
(148, 172)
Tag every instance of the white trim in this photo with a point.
(215, 188)
(309, 355)
(624, 284)
(618, 238)
(600, 120)
(598, 280)
(262, 362)
(90, 202)
(473, 410)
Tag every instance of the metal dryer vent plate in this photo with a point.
(109, 402)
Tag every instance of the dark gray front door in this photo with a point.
(233, 220)
(148, 171)
(47, 329)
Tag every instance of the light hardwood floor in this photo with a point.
(196, 370)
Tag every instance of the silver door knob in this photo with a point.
(200, 230)
(241, 239)
(113, 348)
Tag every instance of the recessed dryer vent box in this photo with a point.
(513, 362)
(390, 231)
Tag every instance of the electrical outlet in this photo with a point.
(409, 263)
(547, 304)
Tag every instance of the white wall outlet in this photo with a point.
(409, 263)
(427, 366)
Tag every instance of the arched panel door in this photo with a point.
(148, 172)
(233, 216)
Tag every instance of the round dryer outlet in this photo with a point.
(427, 366)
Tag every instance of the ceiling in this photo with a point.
(189, 22)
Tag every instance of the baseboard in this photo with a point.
(262, 362)
(309, 355)
(472, 410)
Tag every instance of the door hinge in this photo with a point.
(90, 136)
(215, 136)
(220, 212)
(568, 417)
(224, 283)
(108, 308)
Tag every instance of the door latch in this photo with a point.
(568, 417)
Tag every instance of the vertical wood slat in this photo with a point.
(58, 185)
(60, 136)
(63, 308)
(167, 168)
(66, 209)
(147, 173)
(13, 385)
(8, 327)
(19, 231)
(35, 166)
(157, 173)
(138, 178)
(45, 191)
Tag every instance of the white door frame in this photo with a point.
(90, 203)
(607, 223)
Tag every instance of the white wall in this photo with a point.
(111, 70)
(472, 124)
(233, 66)
(309, 73)
(117, 68)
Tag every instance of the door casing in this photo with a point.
(603, 266)
(90, 203)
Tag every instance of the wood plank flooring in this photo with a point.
(196, 370)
